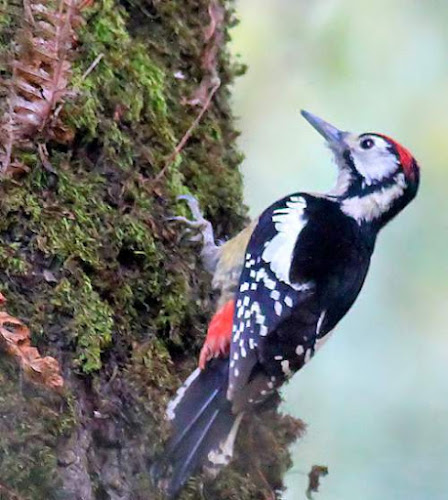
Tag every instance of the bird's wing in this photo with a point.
(266, 296)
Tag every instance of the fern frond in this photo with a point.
(41, 71)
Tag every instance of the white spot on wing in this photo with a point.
(269, 283)
(289, 222)
(278, 308)
(300, 350)
(255, 307)
(261, 274)
(288, 301)
(320, 321)
(286, 369)
(308, 355)
(303, 287)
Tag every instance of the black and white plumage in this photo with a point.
(303, 267)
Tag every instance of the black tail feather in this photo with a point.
(202, 421)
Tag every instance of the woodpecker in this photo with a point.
(285, 281)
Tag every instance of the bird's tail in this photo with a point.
(204, 428)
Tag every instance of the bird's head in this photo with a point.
(377, 176)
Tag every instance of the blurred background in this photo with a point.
(376, 396)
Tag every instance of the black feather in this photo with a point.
(202, 421)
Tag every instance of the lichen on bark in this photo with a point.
(90, 263)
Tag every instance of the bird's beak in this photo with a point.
(334, 137)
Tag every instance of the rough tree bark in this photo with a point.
(89, 263)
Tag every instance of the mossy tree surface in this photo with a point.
(90, 264)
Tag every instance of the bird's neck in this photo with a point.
(375, 204)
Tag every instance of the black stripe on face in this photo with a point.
(348, 158)
(357, 177)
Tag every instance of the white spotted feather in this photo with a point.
(289, 222)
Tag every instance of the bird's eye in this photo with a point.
(367, 143)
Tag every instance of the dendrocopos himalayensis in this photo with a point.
(286, 281)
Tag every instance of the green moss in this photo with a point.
(31, 423)
(91, 320)
(11, 261)
(132, 88)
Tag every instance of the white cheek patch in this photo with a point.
(373, 205)
(375, 164)
(289, 222)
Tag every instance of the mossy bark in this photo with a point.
(89, 262)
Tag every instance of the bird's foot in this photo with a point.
(204, 230)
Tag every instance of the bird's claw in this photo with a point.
(195, 224)
(193, 205)
(204, 231)
(198, 222)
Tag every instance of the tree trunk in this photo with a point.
(88, 260)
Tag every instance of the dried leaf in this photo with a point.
(15, 341)
(314, 476)
(40, 74)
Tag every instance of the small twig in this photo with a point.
(5, 160)
(181, 144)
(210, 83)
(43, 155)
(92, 66)
(84, 3)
